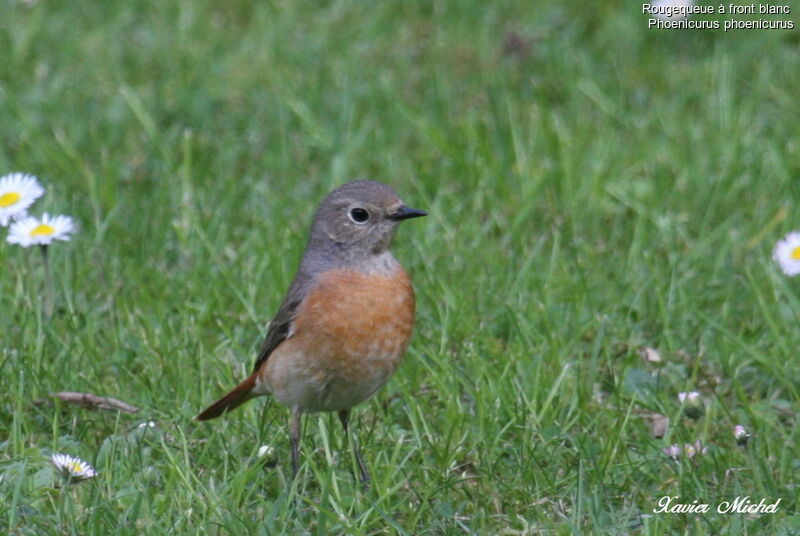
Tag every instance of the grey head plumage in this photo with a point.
(356, 221)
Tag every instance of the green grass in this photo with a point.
(602, 189)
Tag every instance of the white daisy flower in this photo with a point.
(673, 451)
(73, 468)
(18, 191)
(695, 449)
(690, 397)
(148, 424)
(689, 450)
(741, 434)
(33, 231)
(693, 405)
(787, 253)
(265, 450)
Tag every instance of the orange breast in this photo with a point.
(348, 337)
(350, 315)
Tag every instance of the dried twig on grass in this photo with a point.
(90, 401)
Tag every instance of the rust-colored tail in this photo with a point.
(240, 394)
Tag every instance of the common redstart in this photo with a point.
(346, 320)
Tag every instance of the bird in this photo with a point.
(346, 320)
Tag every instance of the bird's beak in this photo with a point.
(405, 213)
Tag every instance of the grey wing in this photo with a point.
(280, 328)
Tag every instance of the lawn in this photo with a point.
(604, 201)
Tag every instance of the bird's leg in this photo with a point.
(294, 436)
(344, 417)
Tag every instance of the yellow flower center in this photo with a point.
(9, 198)
(75, 468)
(795, 254)
(43, 230)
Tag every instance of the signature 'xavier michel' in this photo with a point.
(346, 320)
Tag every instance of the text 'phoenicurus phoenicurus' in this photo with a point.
(346, 320)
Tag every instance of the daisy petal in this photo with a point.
(787, 254)
(18, 191)
(32, 231)
(72, 467)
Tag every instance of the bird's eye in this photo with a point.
(359, 215)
